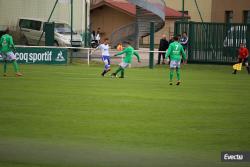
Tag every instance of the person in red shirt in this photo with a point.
(243, 55)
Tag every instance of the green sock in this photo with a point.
(178, 72)
(118, 70)
(171, 74)
(16, 68)
(122, 73)
(5, 67)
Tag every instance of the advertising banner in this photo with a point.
(28, 55)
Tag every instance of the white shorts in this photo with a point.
(175, 64)
(124, 65)
(8, 56)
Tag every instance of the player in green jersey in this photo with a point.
(7, 49)
(129, 52)
(175, 52)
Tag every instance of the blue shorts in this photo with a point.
(106, 61)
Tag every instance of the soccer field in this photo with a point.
(71, 116)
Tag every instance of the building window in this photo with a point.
(246, 17)
(228, 16)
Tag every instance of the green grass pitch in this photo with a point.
(71, 116)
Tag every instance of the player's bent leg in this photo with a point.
(116, 72)
(109, 61)
(16, 68)
(106, 70)
(123, 65)
(107, 65)
(122, 73)
(173, 65)
(15, 65)
(11, 56)
(103, 73)
(5, 68)
(171, 76)
(106, 62)
(178, 73)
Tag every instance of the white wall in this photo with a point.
(11, 10)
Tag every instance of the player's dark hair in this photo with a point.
(106, 39)
(176, 38)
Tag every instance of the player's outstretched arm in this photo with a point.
(138, 56)
(120, 53)
(92, 51)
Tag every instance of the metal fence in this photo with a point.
(214, 42)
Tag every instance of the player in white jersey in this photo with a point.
(104, 47)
